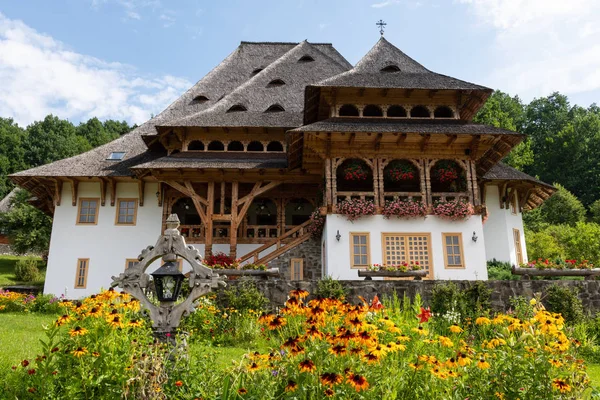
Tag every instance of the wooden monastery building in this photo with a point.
(277, 131)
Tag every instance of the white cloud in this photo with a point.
(384, 3)
(40, 76)
(133, 15)
(542, 45)
(167, 19)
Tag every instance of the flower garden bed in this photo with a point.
(260, 273)
(368, 275)
(527, 273)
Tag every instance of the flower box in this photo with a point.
(417, 275)
(355, 208)
(527, 273)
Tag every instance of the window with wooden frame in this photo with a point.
(87, 213)
(81, 273)
(410, 248)
(453, 250)
(359, 250)
(297, 269)
(126, 211)
(518, 248)
(513, 202)
(130, 262)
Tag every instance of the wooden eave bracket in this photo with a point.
(74, 188)
(112, 186)
(159, 192)
(102, 192)
(451, 140)
(141, 190)
(424, 142)
(58, 185)
(377, 142)
(474, 146)
(401, 138)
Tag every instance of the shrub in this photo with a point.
(522, 307)
(26, 270)
(329, 288)
(445, 298)
(564, 300)
(450, 302)
(244, 296)
(500, 271)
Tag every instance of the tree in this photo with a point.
(52, 139)
(28, 229)
(562, 208)
(12, 153)
(117, 128)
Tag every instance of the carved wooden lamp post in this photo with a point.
(168, 279)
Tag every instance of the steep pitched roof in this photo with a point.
(217, 160)
(504, 172)
(232, 72)
(258, 93)
(5, 202)
(409, 75)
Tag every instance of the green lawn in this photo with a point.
(20, 336)
(7, 272)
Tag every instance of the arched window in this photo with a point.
(235, 146)
(372, 110)
(215, 145)
(419, 112)
(275, 108)
(390, 68)
(237, 108)
(276, 82)
(396, 112)
(306, 58)
(443, 112)
(196, 145)
(447, 176)
(348, 110)
(354, 175)
(401, 176)
(255, 146)
(256, 71)
(200, 99)
(297, 211)
(275, 146)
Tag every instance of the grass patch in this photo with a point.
(7, 272)
(20, 336)
(593, 371)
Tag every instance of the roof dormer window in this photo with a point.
(390, 68)
(116, 155)
(274, 108)
(200, 99)
(276, 82)
(237, 108)
(306, 58)
(256, 71)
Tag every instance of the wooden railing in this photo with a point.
(403, 196)
(260, 231)
(299, 233)
(443, 196)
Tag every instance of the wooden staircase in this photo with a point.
(299, 235)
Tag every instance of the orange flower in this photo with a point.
(358, 382)
(291, 386)
(307, 366)
(179, 383)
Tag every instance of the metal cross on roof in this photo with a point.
(381, 26)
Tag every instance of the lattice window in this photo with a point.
(81, 273)
(359, 250)
(408, 248)
(518, 250)
(130, 262)
(453, 250)
(126, 211)
(88, 211)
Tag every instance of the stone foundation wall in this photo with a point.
(589, 291)
(309, 251)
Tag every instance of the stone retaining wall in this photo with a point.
(276, 290)
(309, 251)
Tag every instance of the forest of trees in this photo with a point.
(561, 147)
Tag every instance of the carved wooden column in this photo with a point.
(209, 219)
(476, 197)
(280, 203)
(233, 231)
(381, 166)
(467, 167)
(422, 184)
(328, 185)
(427, 174)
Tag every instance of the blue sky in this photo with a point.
(128, 59)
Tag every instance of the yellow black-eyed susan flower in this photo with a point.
(291, 386)
(77, 331)
(358, 382)
(80, 351)
(307, 366)
(561, 385)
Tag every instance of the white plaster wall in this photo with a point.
(498, 229)
(338, 253)
(106, 245)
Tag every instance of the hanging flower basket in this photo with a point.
(404, 209)
(355, 208)
(454, 210)
(355, 171)
(400, 171)
(445, 171)
(318, 222)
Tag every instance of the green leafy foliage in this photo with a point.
(579, 242)
(564, 300)
(330, 288)
(28, 228)
(26, 270)
(243, 296)
(500, 271)
(562, 208)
